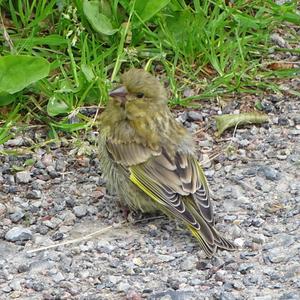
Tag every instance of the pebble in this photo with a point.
(277, 255)
(23, 177)
(80, 210)
(18, 234)
(123, 286)
(182, 118)
(58, 277)
(17, 216)
(2, 209)
(270, 173)
(189, 263)
(15, 285)
(34, 194)
(194, 116)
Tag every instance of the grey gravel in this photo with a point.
(256, 196)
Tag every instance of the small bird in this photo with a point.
(149, 159)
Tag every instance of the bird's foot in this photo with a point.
(134, 216)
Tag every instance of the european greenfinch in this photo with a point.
(149, 160)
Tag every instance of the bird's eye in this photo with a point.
(140, 95)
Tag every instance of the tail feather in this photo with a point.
(209, 249)
(209, 246)
(223, 243)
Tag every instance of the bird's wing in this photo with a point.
(179, 187)
(177, 184)
(169, 179)
(128, 154)
(181, 175)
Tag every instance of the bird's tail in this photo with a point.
(209, 247)
(208, 237)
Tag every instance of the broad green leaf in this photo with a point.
(6, 98)
(19, 71)
(98, 21)
(56, 107)
(224, 122)
(147, 9)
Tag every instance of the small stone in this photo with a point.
(193, 127)
(105, 247)
(220, 275)
(17, 216)
(259, 239)
(270, 173)
(278, 40)
(230, 218)
(42, 229)
(174, 295)
(283, 121)
(18, 234)
(138, 261)
(182, 117)
(195, 281)
(34, 194)
(23, 268)
(257, 222)
(297, 119)
(2, 209)
(80, 210)
(189, 263)
(289, 296)
(228, 168)
(194, 116)
(6, 289)
(60, 165)
(18, 141)
(23, 177)
(133, 295)
(53, 223)
(123, 286)
(188, 92)
(165, 257)
(294, 131)
(113, 279)
(58, 277)
(47, 160)
(68, 217)
(277, 255)
(15, 285)
(266, 297)
(37, 286)
(239, 242)
(57, 236)
(244, 143)
(244, 268)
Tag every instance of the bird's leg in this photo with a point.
(134, 216)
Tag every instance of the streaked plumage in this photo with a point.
(149, 160)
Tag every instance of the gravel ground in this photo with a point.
(55, 193)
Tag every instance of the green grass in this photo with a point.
(212, 47)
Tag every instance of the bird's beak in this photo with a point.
(120, 91)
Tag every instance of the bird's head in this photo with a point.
(138, 87)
